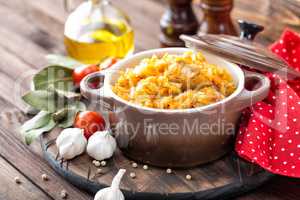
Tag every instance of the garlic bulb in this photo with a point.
(71, 143)
(113, 192)
(101, 145)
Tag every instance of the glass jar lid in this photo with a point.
(242, 50)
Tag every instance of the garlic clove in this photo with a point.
(117, 179)
(103, 194)
(67, 151)
(113, 192)
(71, 143)
(101, 145)
(115, 195)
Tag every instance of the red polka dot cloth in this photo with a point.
(269, 134)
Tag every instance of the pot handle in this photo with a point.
(250, 97)
(98, 94)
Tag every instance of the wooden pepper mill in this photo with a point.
(216, 17)
(178, 19)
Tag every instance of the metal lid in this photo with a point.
(242, 50)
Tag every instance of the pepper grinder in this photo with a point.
(216, 17)
(179, 18)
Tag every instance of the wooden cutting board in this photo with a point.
(222, 179)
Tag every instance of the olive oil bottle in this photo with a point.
(97, 30)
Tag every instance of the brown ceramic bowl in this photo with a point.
(181, 137)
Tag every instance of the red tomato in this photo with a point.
(80, 72)
(107, 63)
(90, 121)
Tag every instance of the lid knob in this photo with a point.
(249, 30)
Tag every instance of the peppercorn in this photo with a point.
(45, 177)
(103, 163)
(134, 165)
(188, 177)
(17, 180)
(169, 171)
(145, 167)
(132, 175)
(63, 194)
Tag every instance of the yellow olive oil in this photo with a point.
(94, 42)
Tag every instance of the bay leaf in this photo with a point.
(68, 94)
(37, 121)
(56, 76)
(65, 61)
(66, 116)
(33, 134)
(34, 127)
(43, 100)
(51, 99)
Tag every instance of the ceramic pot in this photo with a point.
(181, 137)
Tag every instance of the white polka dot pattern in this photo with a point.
(271, 138)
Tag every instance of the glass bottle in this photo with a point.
(96, 30)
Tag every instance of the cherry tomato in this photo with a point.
(107, 63)
(90, 121)
(80, 72)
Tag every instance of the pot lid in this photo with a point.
(242, 50)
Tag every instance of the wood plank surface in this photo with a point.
(30, 29)
(10, 190)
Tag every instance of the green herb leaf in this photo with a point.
(34, 127)
(31, 135)
(55, 76)
(69, 119)
(68, 62)
(44, 100)
(50, 100)
(36, 122)
(66, 116)
(68, 94)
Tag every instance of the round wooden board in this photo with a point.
(225, 178)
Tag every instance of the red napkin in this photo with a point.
(270, 131)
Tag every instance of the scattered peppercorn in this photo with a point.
(132, 175)
(188, 177)
(145, 167)
(63, 194)
(17, 180)
(45, 177)
(134, 165)
(103, 163)
(97, 163)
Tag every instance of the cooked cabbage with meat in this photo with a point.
(174, 82)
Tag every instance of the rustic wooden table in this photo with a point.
(30, 29)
